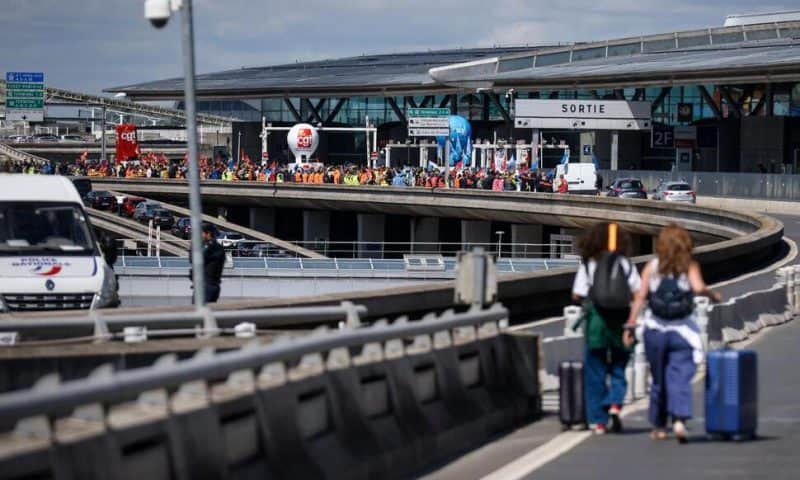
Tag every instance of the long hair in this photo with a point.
(595, 241)
(674, 249)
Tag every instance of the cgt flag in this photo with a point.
(127, 145)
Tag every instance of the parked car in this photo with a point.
(20, 138)
(45, 138)
(674, 192)
(71, 138)
(100, 200)
(627, 188)
(146, 211)
(229, 239)
(129, 205)
(182, 228)
(260, 249)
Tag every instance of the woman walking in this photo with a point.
(672, 340)
(605, 282)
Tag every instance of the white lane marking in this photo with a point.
(538, 457)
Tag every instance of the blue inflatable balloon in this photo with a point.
(460, 141)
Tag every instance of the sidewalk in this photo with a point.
(773, 455)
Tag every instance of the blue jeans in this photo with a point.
(672, 368)
(599, 365)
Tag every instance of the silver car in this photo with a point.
(674, 192)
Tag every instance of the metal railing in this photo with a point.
(125, 385)
(205, 322)
(252, 265)
(771, 186)
(20, 156)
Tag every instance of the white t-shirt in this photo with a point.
(583, 279)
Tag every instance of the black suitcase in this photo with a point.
(571, 405)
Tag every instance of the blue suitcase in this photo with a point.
(732, 393)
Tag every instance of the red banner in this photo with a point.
(127, 146)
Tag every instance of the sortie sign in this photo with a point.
(582, 114)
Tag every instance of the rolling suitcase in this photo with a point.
(571, 404)
(732, 393)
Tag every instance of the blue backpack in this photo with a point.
(669, 301)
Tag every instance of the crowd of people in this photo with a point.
(154, 165)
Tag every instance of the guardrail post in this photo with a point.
(790, 289)
(640, 370)
(572, 316)
(796, 291)
(701, 306)
(210, 327)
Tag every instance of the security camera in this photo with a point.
(157, 11)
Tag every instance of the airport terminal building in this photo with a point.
(736, 88)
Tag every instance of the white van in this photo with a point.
(49, 257)
(581, 177)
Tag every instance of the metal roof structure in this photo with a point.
(390, 74)
(767, 52)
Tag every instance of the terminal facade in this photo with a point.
(737, 86)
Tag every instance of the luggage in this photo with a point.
(571, 404)
(732, 393)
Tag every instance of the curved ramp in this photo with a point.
(132, 229)
(234, 227)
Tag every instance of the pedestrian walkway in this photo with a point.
(774, 455)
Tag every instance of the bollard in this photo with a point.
(640, 370)
(572, 316)
(701, 306)
(134, 334)
(245, 330)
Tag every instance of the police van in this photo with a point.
(49, 256)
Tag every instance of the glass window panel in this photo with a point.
(790, 32)
(552, 59)
(693, 41)
(624, 49)
(727, 37)
(762, 34)
(588, 53)
(511, 64)
(659, 45)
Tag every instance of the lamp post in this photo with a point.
(158, 12)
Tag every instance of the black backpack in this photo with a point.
(669, 301)
(610, 289)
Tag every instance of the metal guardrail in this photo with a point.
(771, 186)
(20, 156)
(99, 326)
(124, 385)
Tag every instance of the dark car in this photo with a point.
(129, 205)
(257, 249)
(82, 185)
(100, 200)
(147, 211)
(182, 228)
(627, 188)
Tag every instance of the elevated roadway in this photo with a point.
(743, 241)
(230, 226)
(127, 228)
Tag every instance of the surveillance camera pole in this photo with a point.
(194, 170)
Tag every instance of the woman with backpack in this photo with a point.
(605, 283)
(672, 340)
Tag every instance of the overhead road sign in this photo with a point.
(25, 96)
(583, 114)
(428, 122)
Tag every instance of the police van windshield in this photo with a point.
(30, 228)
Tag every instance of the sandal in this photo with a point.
(658, 434)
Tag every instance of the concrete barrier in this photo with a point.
(379, 401)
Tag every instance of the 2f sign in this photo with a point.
(663, 138)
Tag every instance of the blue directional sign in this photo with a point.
(28, 77)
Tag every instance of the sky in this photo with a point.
(89, 45)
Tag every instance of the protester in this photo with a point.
(672, 338)
(606, 306)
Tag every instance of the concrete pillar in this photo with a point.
(424, 230)
(614, 150)
(527, 234)
(262, 219)
(316, 226)
(370, 235)
(475, 232)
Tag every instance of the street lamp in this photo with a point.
(158, 12)
(499, 234)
